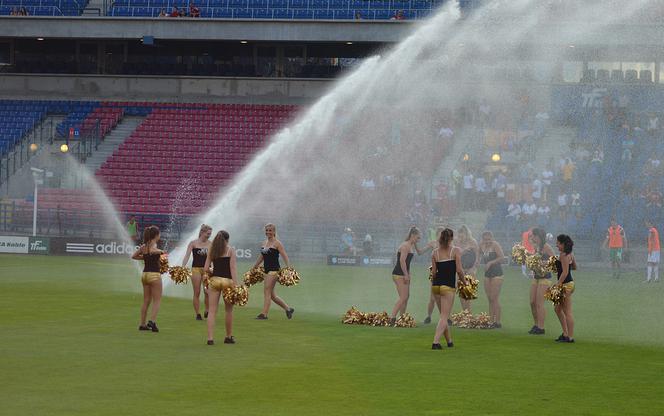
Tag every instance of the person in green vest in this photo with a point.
(132, 229)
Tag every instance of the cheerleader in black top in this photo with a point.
(151, 278)
(401, 271)
(446, 264)
(540, 282)
(270, 252)
(564, 266)
(470, 257)
(222, 258)
(198, 249)
(492, 257)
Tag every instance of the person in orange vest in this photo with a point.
(525, 241)
(653, 252)
(616, 241)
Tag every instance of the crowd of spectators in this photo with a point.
(191, 11)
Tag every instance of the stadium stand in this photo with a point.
(43, 7)
(283, 9)
(17, 119)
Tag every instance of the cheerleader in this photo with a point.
(492, 257)
(540, 283)
(151, 278)
(222, 258)
(446, 265)
(401, 271)
(270, 252)
(199, 249)
(470, 256)
(564, 266)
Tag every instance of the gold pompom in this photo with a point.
(405, 321)
(551, 264)
(353, 316)
(468, 290)
(519, 254)
(431, 273)
(253, 276)
(535, 263)
(465, 319)
(179, 274)
(163, 263)
(555, 294)
(288, 276)
(236, 295)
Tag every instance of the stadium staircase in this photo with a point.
(112, 142)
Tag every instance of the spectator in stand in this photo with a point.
(456, 182)
(568, 172)
(528, 211)
(367, 245)
(514, 212)
(358, 15)
(562, 207)
(547, 175)
(598, 156)
(14, 12)
(445, 134)
(175, 12)
(537, 190)
(627, 147)
(23, 12)
(481, 191)
(467, 195)
(163, 13)
(543, 215)
(653, 125)
(576, 204)
(398, 15)
(194, 11)
(499, 185)
(652, 166)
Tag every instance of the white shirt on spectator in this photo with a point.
(468, 181)
(513, 210)
(544, 210)
(480, 184)
(537, 189)
(446, 133)
(529, 209)
(546, 177)
(575, 199)
(562, 200)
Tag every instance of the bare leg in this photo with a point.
(541, 310)
(196, 284)
(569, 317)
(212, 315)
(402, 291)
(228, 309)
(147, 296)
(268, 284)
(446, 302)
(533, 302)
(156, 298)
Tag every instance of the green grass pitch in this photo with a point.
(69, 345)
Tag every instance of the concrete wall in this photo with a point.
(385, 31)
(160, 88)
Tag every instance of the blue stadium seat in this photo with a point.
(338, 4)
(383, 14)
(282, 14)
(121, 3)
(237, 4)
(359, 5)
(400, 4)
(223, 13)
(303, 14)
(324, 14)
(121, 11)
(420, 5)
(258, 4)
(5, 10)
(44, 11)
(206, 12)
(262, 13)
(379, 5)
(297, 4)
(318, 4)
(161, 4)
(223, 4)
(343, 14)
(142, 12)
(138, 3)
(242, 14)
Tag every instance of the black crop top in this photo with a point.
(468, 258)
(397, 268)
(559, 269)
(270, 259)
(445, 273)
(221, 267)
(199, 257)
(151, 261)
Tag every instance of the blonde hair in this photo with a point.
(203, 229)
(274, 227)
(411, 232)
(464, 230)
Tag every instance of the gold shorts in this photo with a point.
(396, 277)
(219, 283)
(569, 287)
(197, 270)
(544, 282)
(149, 277)
(272, 273)
(442, 290)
